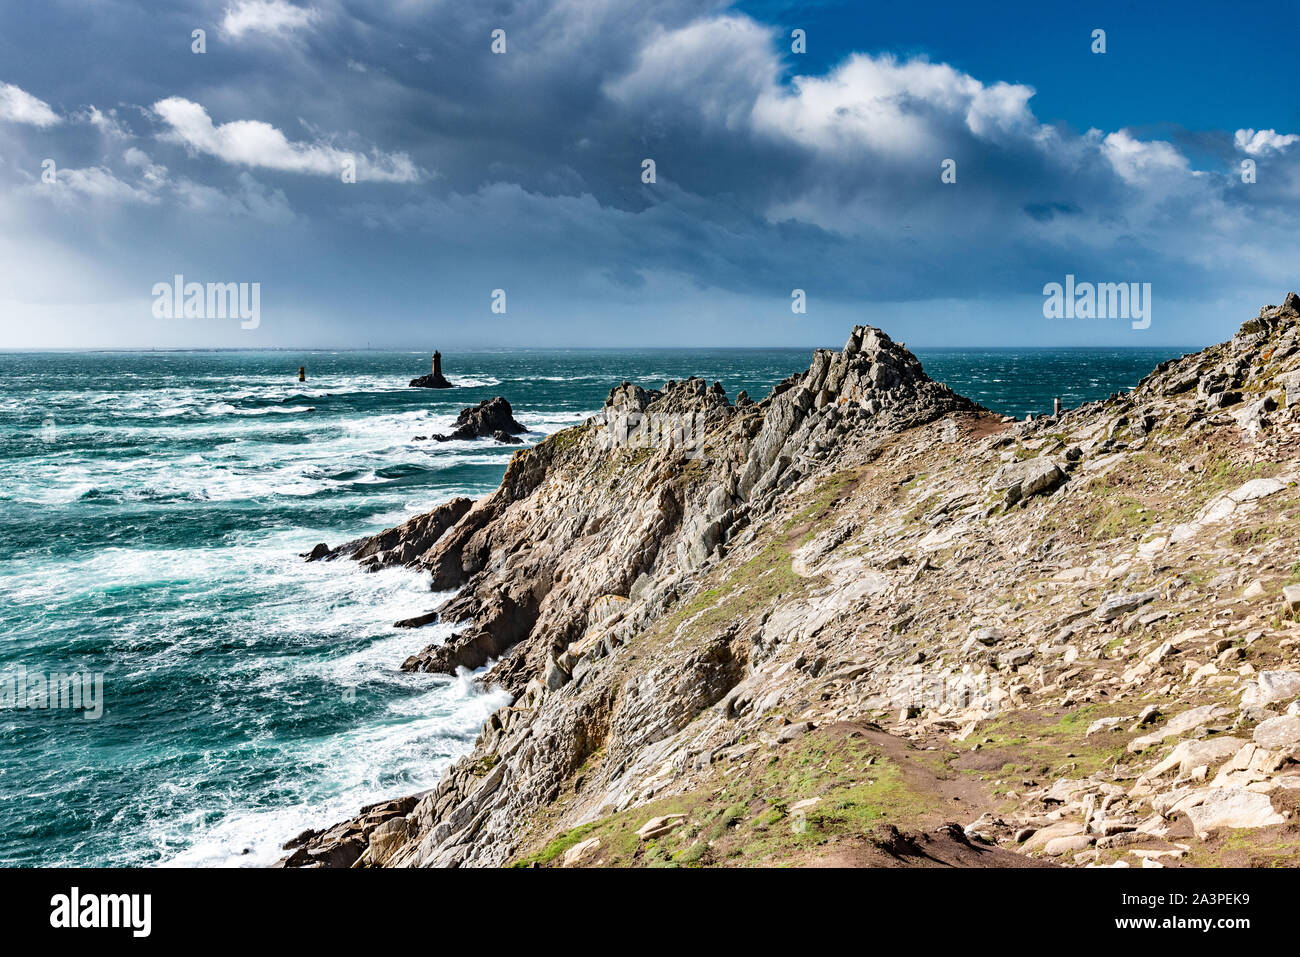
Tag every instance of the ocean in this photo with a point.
(153, 509)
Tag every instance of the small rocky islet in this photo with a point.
(866, 621)
(491, 418)
(435, 379)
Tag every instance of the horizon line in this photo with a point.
(95, 350)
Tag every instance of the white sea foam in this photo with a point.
(233, 651)
(472, 382)
(360, 763)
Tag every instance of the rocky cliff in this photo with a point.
(866, 621)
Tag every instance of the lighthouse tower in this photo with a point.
(435, 380)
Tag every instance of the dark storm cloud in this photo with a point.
(524, 170)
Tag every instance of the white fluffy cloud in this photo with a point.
(19, 106)
(905, 109)
(273, 18)
(1263, 141)
(1142, 162)
(726, 71)
(254, 143)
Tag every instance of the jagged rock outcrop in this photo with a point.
(660, 519)
(403, 545)
(742, 633)
(491, 417)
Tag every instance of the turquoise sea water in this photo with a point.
(152, 511)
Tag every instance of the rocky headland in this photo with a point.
(866, 621)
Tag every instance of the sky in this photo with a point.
(397, 174)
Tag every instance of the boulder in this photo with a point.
(1113, 606)
(338, 854)
(1045, 835)
(1103, 724)
(1271, 686)
(573, 856)
(1186, 721)
(659, 826)
(1234, 808)
(1020, 480)
(1189, 755)
(417, 621)
(792, 731)
(1065, 845)
(1275, 733)
(1290, 383)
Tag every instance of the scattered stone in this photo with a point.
(1232, 808)
(1276, 733)
(573, 856)
(1103, 724)
(1271, 686)
(792, 731)
(898, 590)
(1064, 845)
(1185, 721)
(1113, 606)
(659, 826)
(1021, 480)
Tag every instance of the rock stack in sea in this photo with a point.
(491, 417)
(863, 608)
